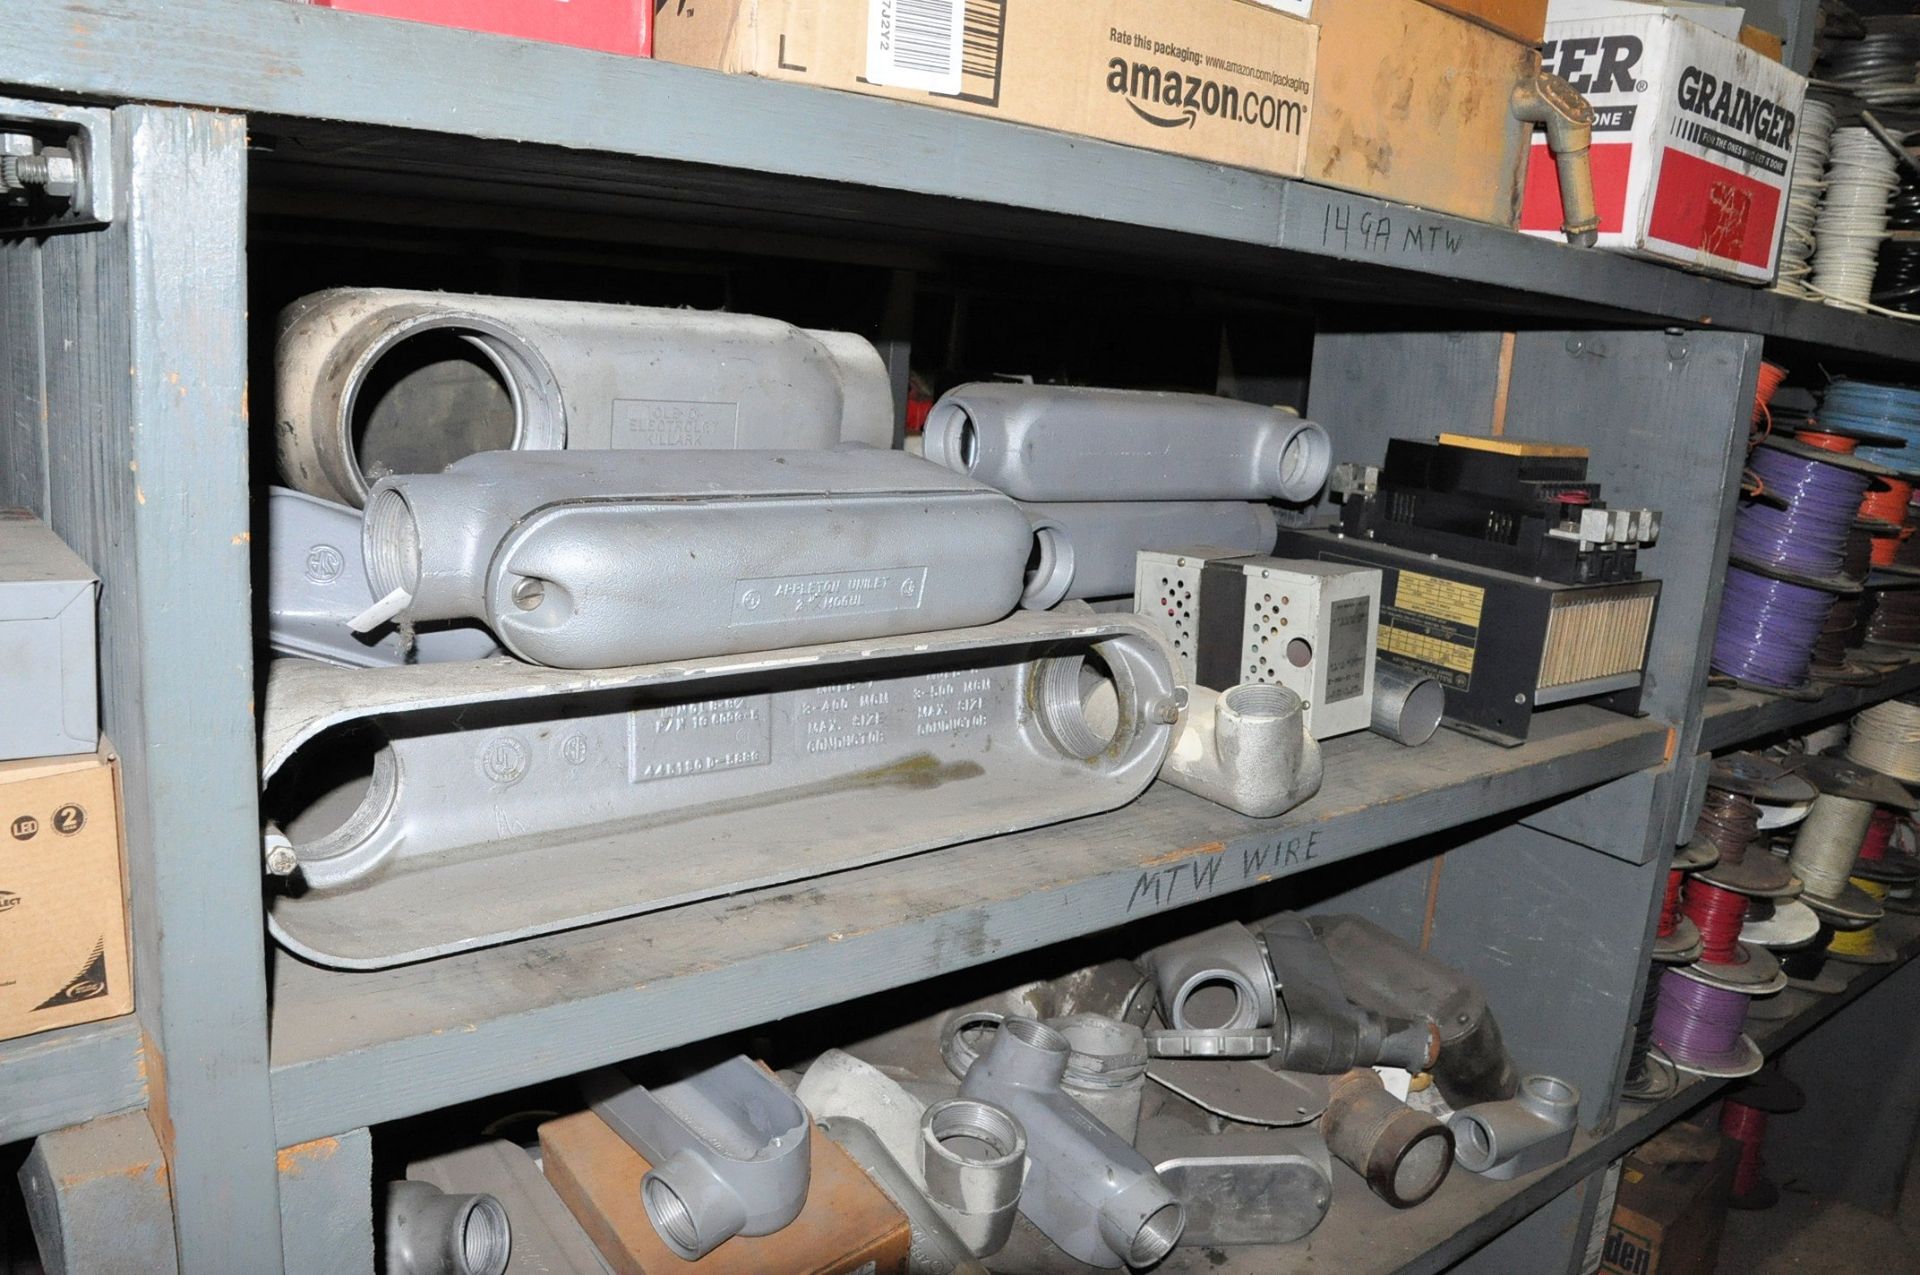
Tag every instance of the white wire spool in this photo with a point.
(1829, 842)
(1804, 188)
(1886, 738)
(1852, 222)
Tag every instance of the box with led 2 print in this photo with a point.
(1693, 135)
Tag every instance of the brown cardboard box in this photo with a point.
(63, 907)
(1765, 43)
(846, 1225)
(1413, 104)
(1672, 1205)
(1225, 80)
(1524, 20)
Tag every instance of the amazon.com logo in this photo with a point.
(1170, 98)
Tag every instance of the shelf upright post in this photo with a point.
(125, 415)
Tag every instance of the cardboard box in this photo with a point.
(63, 907)
(611, 26)
(1225, 80)
(1672, 1205)
(1522, 20)
(1413, 104)
(846, 1227)
(1693, 144)
(49, 698)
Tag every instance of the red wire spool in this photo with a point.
(1719, 914)
(1747, 1126)
(1879, 833)
(1670, 906)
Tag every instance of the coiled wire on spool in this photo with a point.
(1852, 221)
(1699, 1027)
(1886, 738)
(1893, 618)
(1830, 645)
(1718, 913)
(1648, 1077)
(1804, 965)
(1767, 628)
(1828, 843)
(1804, 188)
(1880, 409)
(1730, 821)
(1863, 946)
(1896, 285)
(1808, 535)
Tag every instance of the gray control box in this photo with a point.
(49, 696)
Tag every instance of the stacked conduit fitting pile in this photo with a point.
(1853, 219)
(1804, 188)
(1787, 561)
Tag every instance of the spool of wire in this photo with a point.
(1699, 1027)
(1863, 946)
(1804, 188)
(1804, 966)
(1893, 618)
(1828, 843)
(1808, 535)
(1879, 409)
(1649, 1075)
(1886, 738)
(1852, 220)
(1730, 821)
(1836, 635)
(1873, 847)
(1670, 905)
(1767, 629)
(1896, 285)
(1718, 913)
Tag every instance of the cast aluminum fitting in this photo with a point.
(1242, 1186)
(445, 807)
(1059, 442)
(602, 559)
(374, 381)
(1245, 748)
(316, 583)
(728, 1148)
(1528, 1131)
(1216, 980)
(1403, 1154)
(430, 1232)
(1321, 1030)
(973, 1158)
(1087, 1189)
(935, 1249)
(1106, 1066)
(1086, 549)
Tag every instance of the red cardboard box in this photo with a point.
(611, 26)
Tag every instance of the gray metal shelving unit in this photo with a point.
(123, 418)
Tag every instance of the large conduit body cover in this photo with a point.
(437, 808)
(373, 381)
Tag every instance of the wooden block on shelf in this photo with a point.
(847, 1226)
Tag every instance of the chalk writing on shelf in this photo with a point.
(1357, 229)
(1203, 875)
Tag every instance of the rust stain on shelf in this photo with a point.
(1188, 852)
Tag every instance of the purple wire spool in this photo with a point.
(1699, 1026)
(1810, 535)
(1767, 629)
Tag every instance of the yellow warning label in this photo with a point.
(1442, 599)
(1426, 649)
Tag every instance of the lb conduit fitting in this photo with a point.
(1245, 748)
(1059, 442)
(727, 1145)
(430, 1232)
(1403, 1154)
(1106, 1061)
(1088, 1190)
(1551, 102)
(603, 559)
(1528, 1131)
(1086, 549)
(374, 381)
(392, 785)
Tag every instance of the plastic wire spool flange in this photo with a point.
(372, 381)
(393, 785)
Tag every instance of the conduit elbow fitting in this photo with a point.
(1528, 1131)
(728, 1148)
(1245, 748)
(1216, 980)
(1088, 1190)
(1551, 102)
(430, 1232)
(609, 558)
(1076, 443)
(1403, 1154)
(976, 1191)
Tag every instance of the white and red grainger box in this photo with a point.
(1692, 144)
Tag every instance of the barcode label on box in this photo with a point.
(915, 44)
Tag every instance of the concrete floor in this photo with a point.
(1805, 1235)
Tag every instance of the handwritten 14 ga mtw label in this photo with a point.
(1200, 876)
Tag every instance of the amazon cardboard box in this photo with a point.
(63, 907)
(1226, 80)
(1693, 137)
